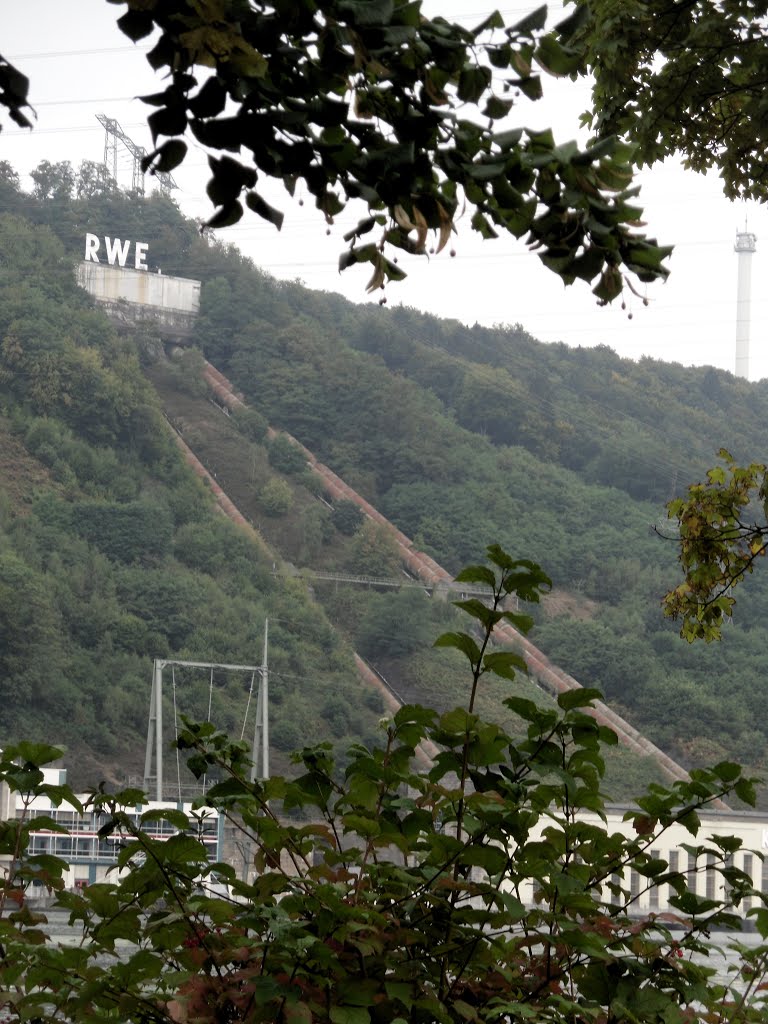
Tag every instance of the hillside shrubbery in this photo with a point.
(459, 435)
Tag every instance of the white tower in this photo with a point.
(745, 246)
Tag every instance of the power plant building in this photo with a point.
(131, 294)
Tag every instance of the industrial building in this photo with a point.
(91, 858)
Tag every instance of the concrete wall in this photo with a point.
(140, 287)
(749, 826)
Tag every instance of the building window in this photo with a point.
(616, 893)
(653, 892)
(711, 877)
(747, 901)
(691, 872)
(634, 885)
(674, 866)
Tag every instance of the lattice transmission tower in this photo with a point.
(113, 137)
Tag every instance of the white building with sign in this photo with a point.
(114, 272)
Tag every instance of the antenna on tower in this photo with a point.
(744, 247)
(113, 134)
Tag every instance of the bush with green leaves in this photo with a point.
(276, 497)
(392, 893)
(286, 456)
(347, 517)
(394, 623)
(250, 423)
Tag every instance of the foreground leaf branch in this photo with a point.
(415, 121)
(488, 889)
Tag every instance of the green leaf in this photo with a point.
(358, 254)
(414, 714)
(745, 791)
(477, 574)
(582, 697)
(35, 754)
(350, 1015)
(568, 26)
(494, 20)
(462, 642)
(464, 1010)
(176, 818)
(522, 623)
(556, 58)
(533, 22)
(505, 664)
(474, 606)
(366, 13)
(728, 771)
(136, 24)
(168, 156)
(263, 209)
(226, 215)
(473, 81)
(525, 709)
(760, 916)
(167, 121)
(457, 722)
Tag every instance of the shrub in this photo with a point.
(276, 497)
(250, 423)
(347, 517)
(285, 456)
(401, 894)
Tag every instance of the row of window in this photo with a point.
(88, 848)
(77, 823)
(702, 879)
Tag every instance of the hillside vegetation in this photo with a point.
(111, 553)
(460, 436)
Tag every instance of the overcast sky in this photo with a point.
(80, 65)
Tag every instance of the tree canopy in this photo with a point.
(416, 117)
(421, 118)
(684, 78)
(723, 525)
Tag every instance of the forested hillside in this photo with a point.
(111, 553)
(460, 436)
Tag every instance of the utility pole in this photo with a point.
(260, 749)
(153, 757)
(113, 134)
(155, 732)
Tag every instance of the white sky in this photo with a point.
(80, 65)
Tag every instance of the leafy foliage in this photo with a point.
(684, 78)
(276, 497)
(347, 517)
(110, 553)
(563, 454)
(719, 545)
(374, 102)
(401, 895)
(285, 456)
(394, 624)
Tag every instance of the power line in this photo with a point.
(45, 54)
(90, 99)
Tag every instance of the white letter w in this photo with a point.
(116, 249)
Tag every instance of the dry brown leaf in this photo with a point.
(446, 225)
(378, 277)
(401, 216)
(421, 227)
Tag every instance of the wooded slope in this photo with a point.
(460, 436)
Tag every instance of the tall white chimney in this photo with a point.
(745, 246)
